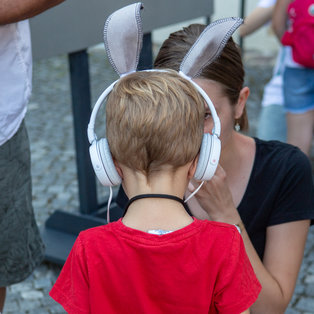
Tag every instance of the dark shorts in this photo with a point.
(21, 248)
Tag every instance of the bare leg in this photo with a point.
(2, 297)
(300, 130)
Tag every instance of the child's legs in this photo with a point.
(299, 106)
(300, 130)
(2, 297)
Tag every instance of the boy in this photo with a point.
(157, 258)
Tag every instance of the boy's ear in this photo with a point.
(118, 168)
(243, 96)
(193, 166)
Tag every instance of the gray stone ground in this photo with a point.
(55, 186)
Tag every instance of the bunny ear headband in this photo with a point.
(123, 37)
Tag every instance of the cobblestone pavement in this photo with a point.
(49, 121)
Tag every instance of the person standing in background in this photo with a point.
(21, 248)
(298, 87)
(272, 121)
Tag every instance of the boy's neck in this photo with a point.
(163, 182)
(156, 213)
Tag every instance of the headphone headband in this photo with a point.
(91, 125)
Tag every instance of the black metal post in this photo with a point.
(81, 106)
(146, 57)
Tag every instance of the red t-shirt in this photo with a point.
(202, 268)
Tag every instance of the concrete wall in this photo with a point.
(78, 24)
(262, 40)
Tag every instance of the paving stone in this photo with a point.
(43, 283)
(11, 306)
(292, 311)
(23, 286)
(309, 290)
(310, 269)
(32, 295)
(19, 311)
(309, 279)
(56, 309)
(306, 304)
(32, 306)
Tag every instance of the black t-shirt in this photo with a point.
(280, 190)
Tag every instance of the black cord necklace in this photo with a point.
(138, 197)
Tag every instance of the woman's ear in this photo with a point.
(243, 96)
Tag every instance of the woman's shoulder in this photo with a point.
(280, 163)
(273, 144)
(272, 152)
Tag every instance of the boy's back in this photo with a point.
(201, 268)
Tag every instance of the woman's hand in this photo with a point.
(284, 248)
(215, 198)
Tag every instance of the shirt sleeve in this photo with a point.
(295, 200)
(71, 289)
(237, 287)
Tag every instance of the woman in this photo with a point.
(264, 187)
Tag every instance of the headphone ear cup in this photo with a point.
(209, 157)
(103, 164)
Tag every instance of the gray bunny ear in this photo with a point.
(209, 45)
(123, 38)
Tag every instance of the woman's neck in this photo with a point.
(237, 160)
(231, 151)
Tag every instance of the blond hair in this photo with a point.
(154, 119)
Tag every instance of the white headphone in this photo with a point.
(99, 151)
(102, 160)
(119, 46)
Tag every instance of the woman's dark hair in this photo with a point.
(227, 69)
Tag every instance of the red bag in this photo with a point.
(300, 33)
